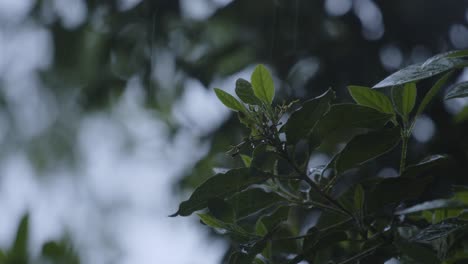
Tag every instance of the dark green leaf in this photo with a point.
(396, 190)
(363, 148)
(359, 198)
(371, 98)
(278, 216)
(311, 239)
(424, 165)
(260, 228)
(432, 92)
(240, 258)
(459, 90)
(235, 230)
(229, 101)
(303, 120)
(264, 158)
(262, 84)
(431, 205)
(59, 253)
(404, 99)
(252, 201)
(221, 186)
(418, 252)
(416, 72)
(245, 92)
(348, 116)
(222, 210)
(19, 251)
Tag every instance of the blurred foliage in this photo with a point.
(53, 252)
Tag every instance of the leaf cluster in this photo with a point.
(266, 207)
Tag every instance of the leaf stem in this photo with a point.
(404, 149)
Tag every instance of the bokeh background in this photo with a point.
(108, 118)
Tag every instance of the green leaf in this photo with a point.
(221, 186)
(431, 205)
(409, 186)
(245, 92)
(343, 117)
(432, 92)
(413, 73)
(260, 228)
(247, 160)
(302, 121)
(371, 98)
(448, 54)
(359, 199)
(229, 101)
(19, 251)
(262, 84)
(236, 231)
(460, 193)
(363, 148)
(459, 90)
(462, 115)
(404, 99)
(240, 258)
(396, 190)
(222, 210)
(424, 165)
(280, 215)
(60, 252)
(418, 252)
(253, 200)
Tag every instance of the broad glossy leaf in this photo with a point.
(222, 210)
(416, 72)
(459, 90)
(245, 92)
(302, 121)
(404, 99)
(229, 101)
(262, 84)
(424, 165)
(363, 148)
(396, 190)
(448, 54)
(431, 205)
(371, 98)
(221, 186)
(433, 91)
(349, 116)
(253, 200)
(418, 252)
